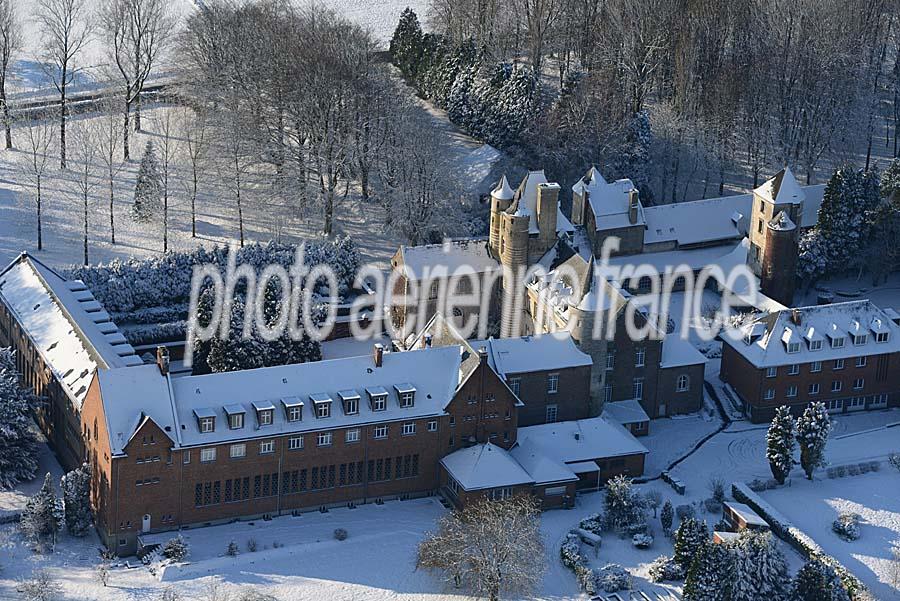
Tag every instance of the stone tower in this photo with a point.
(774, 235)
(501, 198)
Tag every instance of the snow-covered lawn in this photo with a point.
(13, 501)
(813, 506)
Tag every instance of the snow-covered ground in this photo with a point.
(886, 294)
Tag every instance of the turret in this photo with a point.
(780, 194)
(501, 198)
(778, 267)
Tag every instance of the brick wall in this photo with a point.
(676, 401)
(483, 410)
(572, 399)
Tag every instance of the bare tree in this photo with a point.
(108, 149)
(493, 546)
(65, 30)
(540, 16)
(195, 129)
(136, 31)
(40, 139)
(165, 124)
(83, 175)
(10, 44)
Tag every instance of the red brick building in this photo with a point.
(844, 354)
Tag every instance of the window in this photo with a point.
(352, 435)
(639, 355)
(881, 337)
(684, 383)
(837, 342)
(498, 494)
(379, 402)
(815, 366)
(452, 421)
(861, 361)
(323, 439)
(238, 450)
(607, 393)
(515, 384)
(771, 372)
(554, 491)
(295, 413)
(610, 360)
(409, 428)
(858, 384)
(432, 425)
(552, 383)
(860, 339)
(793, 347)
(295, 443)
(815, 345)
(208, 454)
(814, 388)
(793, 370)
(792, 391)
(552, 413)
(838, 364)
(407, 395)
(351, 406)
(323, 410)
(770, 394)
(759, 226)
(836, 386)
(266, 447)
(835, 405)
(381, 431)
(207, 424)
(265, 417)
(879, 401)
(637, 389)
(236, 421)
(857, 402)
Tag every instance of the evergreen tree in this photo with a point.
(817, 581)
(690, 536)
(148, 187)
(667, 516)
(76, 492)
(760, 568)
(43, 516)
(711, 574)
(890, 180)
(622, 505)
(813, 428)
(633, 160)
(18, 447)
(780, 444)
(406, 45)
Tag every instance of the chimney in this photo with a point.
(482, 355)
(162, 360)
(632, 206)
(379, 354)
(796, 317)
(428, 339)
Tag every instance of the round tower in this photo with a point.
(501, 198)
(514, 262)
(778, 265)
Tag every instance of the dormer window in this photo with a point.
(206, 420)
(235, 415)
(265, 413)
(350, 401)
(793, 347)
(377, 397)
(322, 402)
(881, 337)
(859, 339)
(815, 345)
(406, 392)
(293, 409)
(837, 342)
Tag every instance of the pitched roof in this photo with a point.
(525, 203)
(132, 394)
(582, 440)
(503, 190)
(625, 412)
(677, 352)
(525, 354)
(485, 466)
(782, 188)
(466, 255)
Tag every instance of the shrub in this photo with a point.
(893, 459)
(665, 569)
(841, 471)
(832, 473)
(852, 470)
(340, 534)
(592, 523)
(176, 549)
(717, 488)
(232, 549)
(685, 511)
(771, 484)
(876, 465)
(846, 526)
(642, 541)
(612, 578)
(712, 505)
(863, 468)
(251, 545)
(636, 528)
(570, 554)
(757, 485)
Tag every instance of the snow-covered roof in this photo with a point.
(582, 440)
(764, 343)
(68, 326)
(468, 254)
(525, 203)
(782, 223)
(782, 188)
(543, 468)
(485, 466)
(132, 394)
(746, 513)
(609, 201)
(503, 191)
(526, 354)
(625, 412)
(677, 352)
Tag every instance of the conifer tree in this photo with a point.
(406, 45)
(817, 581)
(890, 180)
(780, 444)
(76, 492)
(148, 187)
(666, 517)
(42, 517)
(711, 574)
(813, 428)
(690, 536)
(18, 447)
(760, 568)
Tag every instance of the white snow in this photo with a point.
(485, 466)
(677, 352)
(625, 412)
(510, 356)
(582, 440)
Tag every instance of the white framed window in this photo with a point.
(554, 491)
(208, 454)
(640, 355)
(881, 337)
(432, 425)
(515, 384)
(265, 417)
(610, 360)
(837, 342)
(861, 361)
(407, 399)
(351, 406)
(552, 383)
(814, 388)
(381, 432)
(815, 366)
(771, 372)
(879, 400)
(207, 424)
(838, 364)
(769, 394)
(859, 384)
(552, 413)
(815, 345)
(352, 435)
(498, 494)
(409, 428)
(792, 391)
(860, 339)
(452, 421)
(295, 443)
(323, 439)
(295, 413)
(637, 389)
(238, 450)
(186, 456)
(793, 347)
(266, 447)
(857, 402)
(684, 383)
(236, 421)
(379, 402)
(794, 369)
(323, 410)
(836, 386)
(835, 405)
(607, 393)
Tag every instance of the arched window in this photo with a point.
(684, 383)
